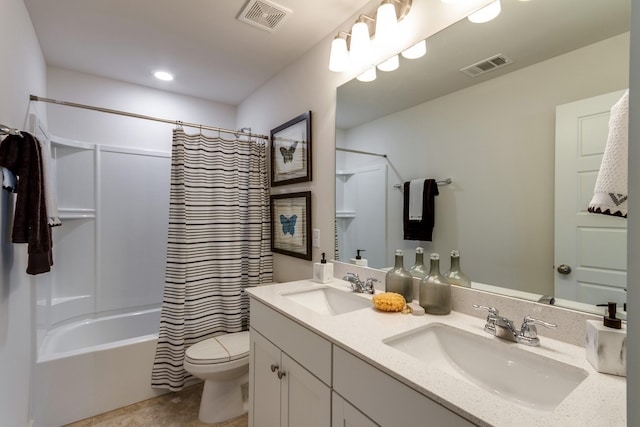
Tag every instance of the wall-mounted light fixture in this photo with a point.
(358, 52)
(416, 51)
(486, 14)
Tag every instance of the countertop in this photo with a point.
(598, 401)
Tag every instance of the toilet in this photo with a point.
(223, 363)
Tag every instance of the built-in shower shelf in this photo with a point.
(345, 214)
(77, 213)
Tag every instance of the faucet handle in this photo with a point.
(528, 328)
(350, 276)
(491, 310)
(369, 285)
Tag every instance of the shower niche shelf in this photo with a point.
(81, 213)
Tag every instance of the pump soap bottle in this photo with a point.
(606, 343)
(323, 272)
(358, 260)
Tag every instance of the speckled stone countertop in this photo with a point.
(599, 400)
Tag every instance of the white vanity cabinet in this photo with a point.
(344, 414)
(290, 373)
(385, 400)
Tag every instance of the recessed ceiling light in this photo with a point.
(163, 75)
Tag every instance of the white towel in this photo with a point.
(49, 189)
(610, 193)
(416, 191)
(9, 181)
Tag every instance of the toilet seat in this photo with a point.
(220, 349)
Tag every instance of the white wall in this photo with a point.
(22, 72)
(109, 129)
(498, 149)
(307, 84)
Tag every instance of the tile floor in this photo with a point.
(169, 410)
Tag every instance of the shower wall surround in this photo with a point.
(110, 250)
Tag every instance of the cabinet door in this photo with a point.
(343, 414)
(306, 401)
(264, 389)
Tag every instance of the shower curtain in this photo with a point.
(218, 244)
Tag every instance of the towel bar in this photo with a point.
(439, 182)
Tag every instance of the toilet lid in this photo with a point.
(220, 349)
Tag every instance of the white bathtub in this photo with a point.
(94, 366)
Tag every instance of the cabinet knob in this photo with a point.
(274, 367)
(281, 374)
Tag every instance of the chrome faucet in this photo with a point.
(502, 327)
(358, 285)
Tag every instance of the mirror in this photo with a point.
(492, 134)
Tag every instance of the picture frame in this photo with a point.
(291, 224)
(291, 151)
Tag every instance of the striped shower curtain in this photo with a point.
(218, 245)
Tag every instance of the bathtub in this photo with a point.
(93, 366)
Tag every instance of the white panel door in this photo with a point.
(305, 400)
(343, 414)
(590, 249)
(264, 382)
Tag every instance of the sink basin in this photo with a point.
(501, 368)
(327, 300)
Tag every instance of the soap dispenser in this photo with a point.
(322, 272)
(358, 260)
(606, 344)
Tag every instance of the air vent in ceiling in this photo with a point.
(486, 65)
(264, 14)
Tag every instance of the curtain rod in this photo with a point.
(141, 116)
(348, 150)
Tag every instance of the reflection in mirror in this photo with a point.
(495, 135)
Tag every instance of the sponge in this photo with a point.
(389, 301)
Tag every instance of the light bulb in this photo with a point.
(390, 64)
(486, 14)
(368, 76)
(360, 44)
(163, 75)
(339, 58)
(386, 23)
(416, 51)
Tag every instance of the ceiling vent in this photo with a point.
(486, 65)
(264, 14)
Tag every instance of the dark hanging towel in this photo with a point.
(420, 230)
(21, 155)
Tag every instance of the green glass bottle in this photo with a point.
(399, 280)
(455, 276)
(418, 269)
(435, 291)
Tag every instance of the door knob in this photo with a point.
(564, 269)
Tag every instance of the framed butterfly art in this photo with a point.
(291, 151)
(291, 224)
